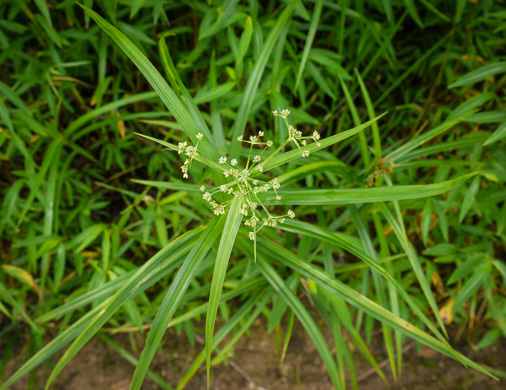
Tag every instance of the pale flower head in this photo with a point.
(284, 113)
(181, 147)
(219, 210)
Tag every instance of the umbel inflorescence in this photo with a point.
(246, 180)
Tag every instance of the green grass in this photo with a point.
(99, 229)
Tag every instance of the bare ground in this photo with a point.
(255, 364)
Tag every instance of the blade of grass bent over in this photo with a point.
(352, 296)
(323, 234)
(159, 84)
(71, 129)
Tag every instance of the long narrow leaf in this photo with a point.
(173, 298)
(254, 79)
(414, 261)
(323, 234)
(293, 261)
(309, 40)
(283, 158)
(162, 259)
(312, 329)
(158, 83)
(361, 195)
(224, 250)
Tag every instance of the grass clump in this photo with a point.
(104, 231)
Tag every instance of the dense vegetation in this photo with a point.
(399, 199)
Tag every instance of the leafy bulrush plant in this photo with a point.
(246, 183)
(247, 190)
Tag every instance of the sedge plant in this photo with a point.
(262, 197)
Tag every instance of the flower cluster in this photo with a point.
(295, 135)
(383, 166)
(191, 153)
(247, 180)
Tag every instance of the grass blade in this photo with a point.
(498, 134)
(159, 84)
(309, 40)
(342, 196)
(312, 329)
(224, 250)
(323, 234)
(162, 259)
(295, 262)
(370, 111)
(356, 120)
(480, 74)
(173, 298)
(254, 79)
(283, 158)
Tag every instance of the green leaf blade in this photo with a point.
(224, 251)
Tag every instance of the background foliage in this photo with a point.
(86, 202)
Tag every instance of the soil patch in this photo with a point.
(255, 364)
